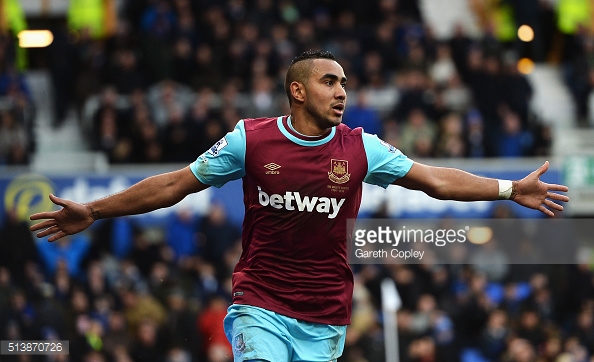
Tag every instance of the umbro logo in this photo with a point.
(272, 168)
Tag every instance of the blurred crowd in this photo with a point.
(159, 80)
(182, 74)
(131, 292)
(168, 78)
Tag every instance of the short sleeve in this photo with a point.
(385, 163)
(224, 161)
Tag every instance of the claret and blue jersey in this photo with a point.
(299, 192)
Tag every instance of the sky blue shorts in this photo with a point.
(259, 334)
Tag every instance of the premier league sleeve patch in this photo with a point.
(391, 148)
(215, 150)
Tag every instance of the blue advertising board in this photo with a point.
(27, 193)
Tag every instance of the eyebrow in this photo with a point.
(333, 77)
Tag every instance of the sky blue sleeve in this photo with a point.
(224, 161)
(385, 163)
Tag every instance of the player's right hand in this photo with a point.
(71, 219)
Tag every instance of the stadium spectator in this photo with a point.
(205, 71)
(95, 282)
(518, 91)
(14, 141)
(125, 73)
(530, 328)
(91, 62)
(362, 115)
(117, 341)
(67, 255)
(148, 344)
(181, 234)
(141, 310)
(418, 134)
(451, 138)
(494, 336)
(180, 328)
(443, 68)
(474, 134)
(20, 318)
(147, 147)
(514, 141)
(111, 136)
(414, 95)
(584, 328)
(177, 135)
(147, 251)
(456, 95)
(217, 234)
(17, 245)
(182, 63)
(210, 324)
(263, 98)
(112, 238)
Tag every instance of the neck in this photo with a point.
(305, 126)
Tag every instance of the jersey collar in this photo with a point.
(286, 128)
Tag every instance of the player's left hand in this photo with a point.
(535, 194)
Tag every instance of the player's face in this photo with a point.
(326, 97)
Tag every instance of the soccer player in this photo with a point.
(302, 179)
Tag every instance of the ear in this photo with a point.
(298, 91)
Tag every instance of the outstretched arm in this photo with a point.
(152, 193)
(454, 184)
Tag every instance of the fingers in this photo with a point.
(49, 231)
(43, 215)
(553, 205)
(555, 187)
(547, 205)
(558, 197)
(542, 169)
(545, 211)
(57, 236)
(56, 200)
(53, 232)
(49, 214)
(43, 225)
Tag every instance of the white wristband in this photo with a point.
(505, 189)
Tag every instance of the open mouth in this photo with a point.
(339, 108)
